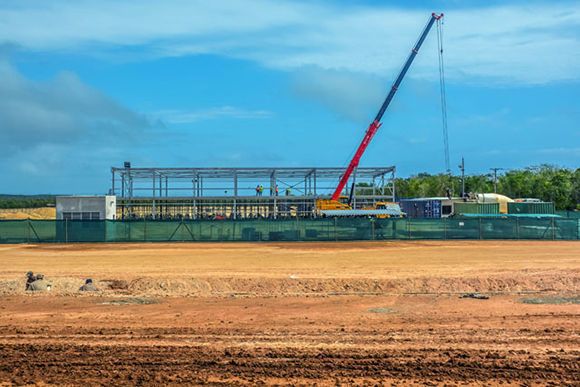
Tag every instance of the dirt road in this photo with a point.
(347, 313)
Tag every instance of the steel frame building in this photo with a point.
(205, 193)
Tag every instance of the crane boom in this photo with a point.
(374, 126)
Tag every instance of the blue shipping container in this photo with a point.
(421, 208)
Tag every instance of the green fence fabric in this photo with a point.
(327, 229)
(569, 214)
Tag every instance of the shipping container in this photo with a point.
(421, 208)
(460, 208)
(531, 208)
(495, 198)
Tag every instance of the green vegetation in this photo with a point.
(24, 201)
(546, 182)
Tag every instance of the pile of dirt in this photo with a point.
(115, 284)
(226, 286)
(61, 286)
(339, 286)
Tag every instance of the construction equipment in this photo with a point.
(334, 204)
(443, 93)
(385, 210)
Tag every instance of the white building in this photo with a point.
(86, 207)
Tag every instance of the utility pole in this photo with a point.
(495, 178)
(462, 169)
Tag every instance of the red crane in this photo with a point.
(376, 124)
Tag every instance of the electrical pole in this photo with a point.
(495, 178)
(462, 169)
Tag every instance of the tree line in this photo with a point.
(16, 201)
(545, 182)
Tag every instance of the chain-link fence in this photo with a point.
(327, 229)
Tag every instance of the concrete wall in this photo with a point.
(110, 207)
(106, 206)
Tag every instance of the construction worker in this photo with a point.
(261, 190)
(258, 190)
(276, 189)
(288, 191)
(89, 286)
(40, 284)
(30, 278)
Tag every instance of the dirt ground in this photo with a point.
(28, 213)
(297, 313)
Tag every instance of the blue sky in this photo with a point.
(85, 85)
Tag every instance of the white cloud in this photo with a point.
(354, 96)
(63, 110)
(528, 44)
(189, 116)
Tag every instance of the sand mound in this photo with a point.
(28, 213)
(226, 286)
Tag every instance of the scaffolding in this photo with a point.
(235, 193)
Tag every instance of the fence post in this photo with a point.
(335, 236)
(444, 228)
(372, 220)
(480, 232)
(296, 227)
(553, 229)
(518, 228)
(409, 228)
(66, 231)
(144, 230)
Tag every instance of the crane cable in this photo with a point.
(443, 96)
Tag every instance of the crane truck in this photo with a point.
(335, 207)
